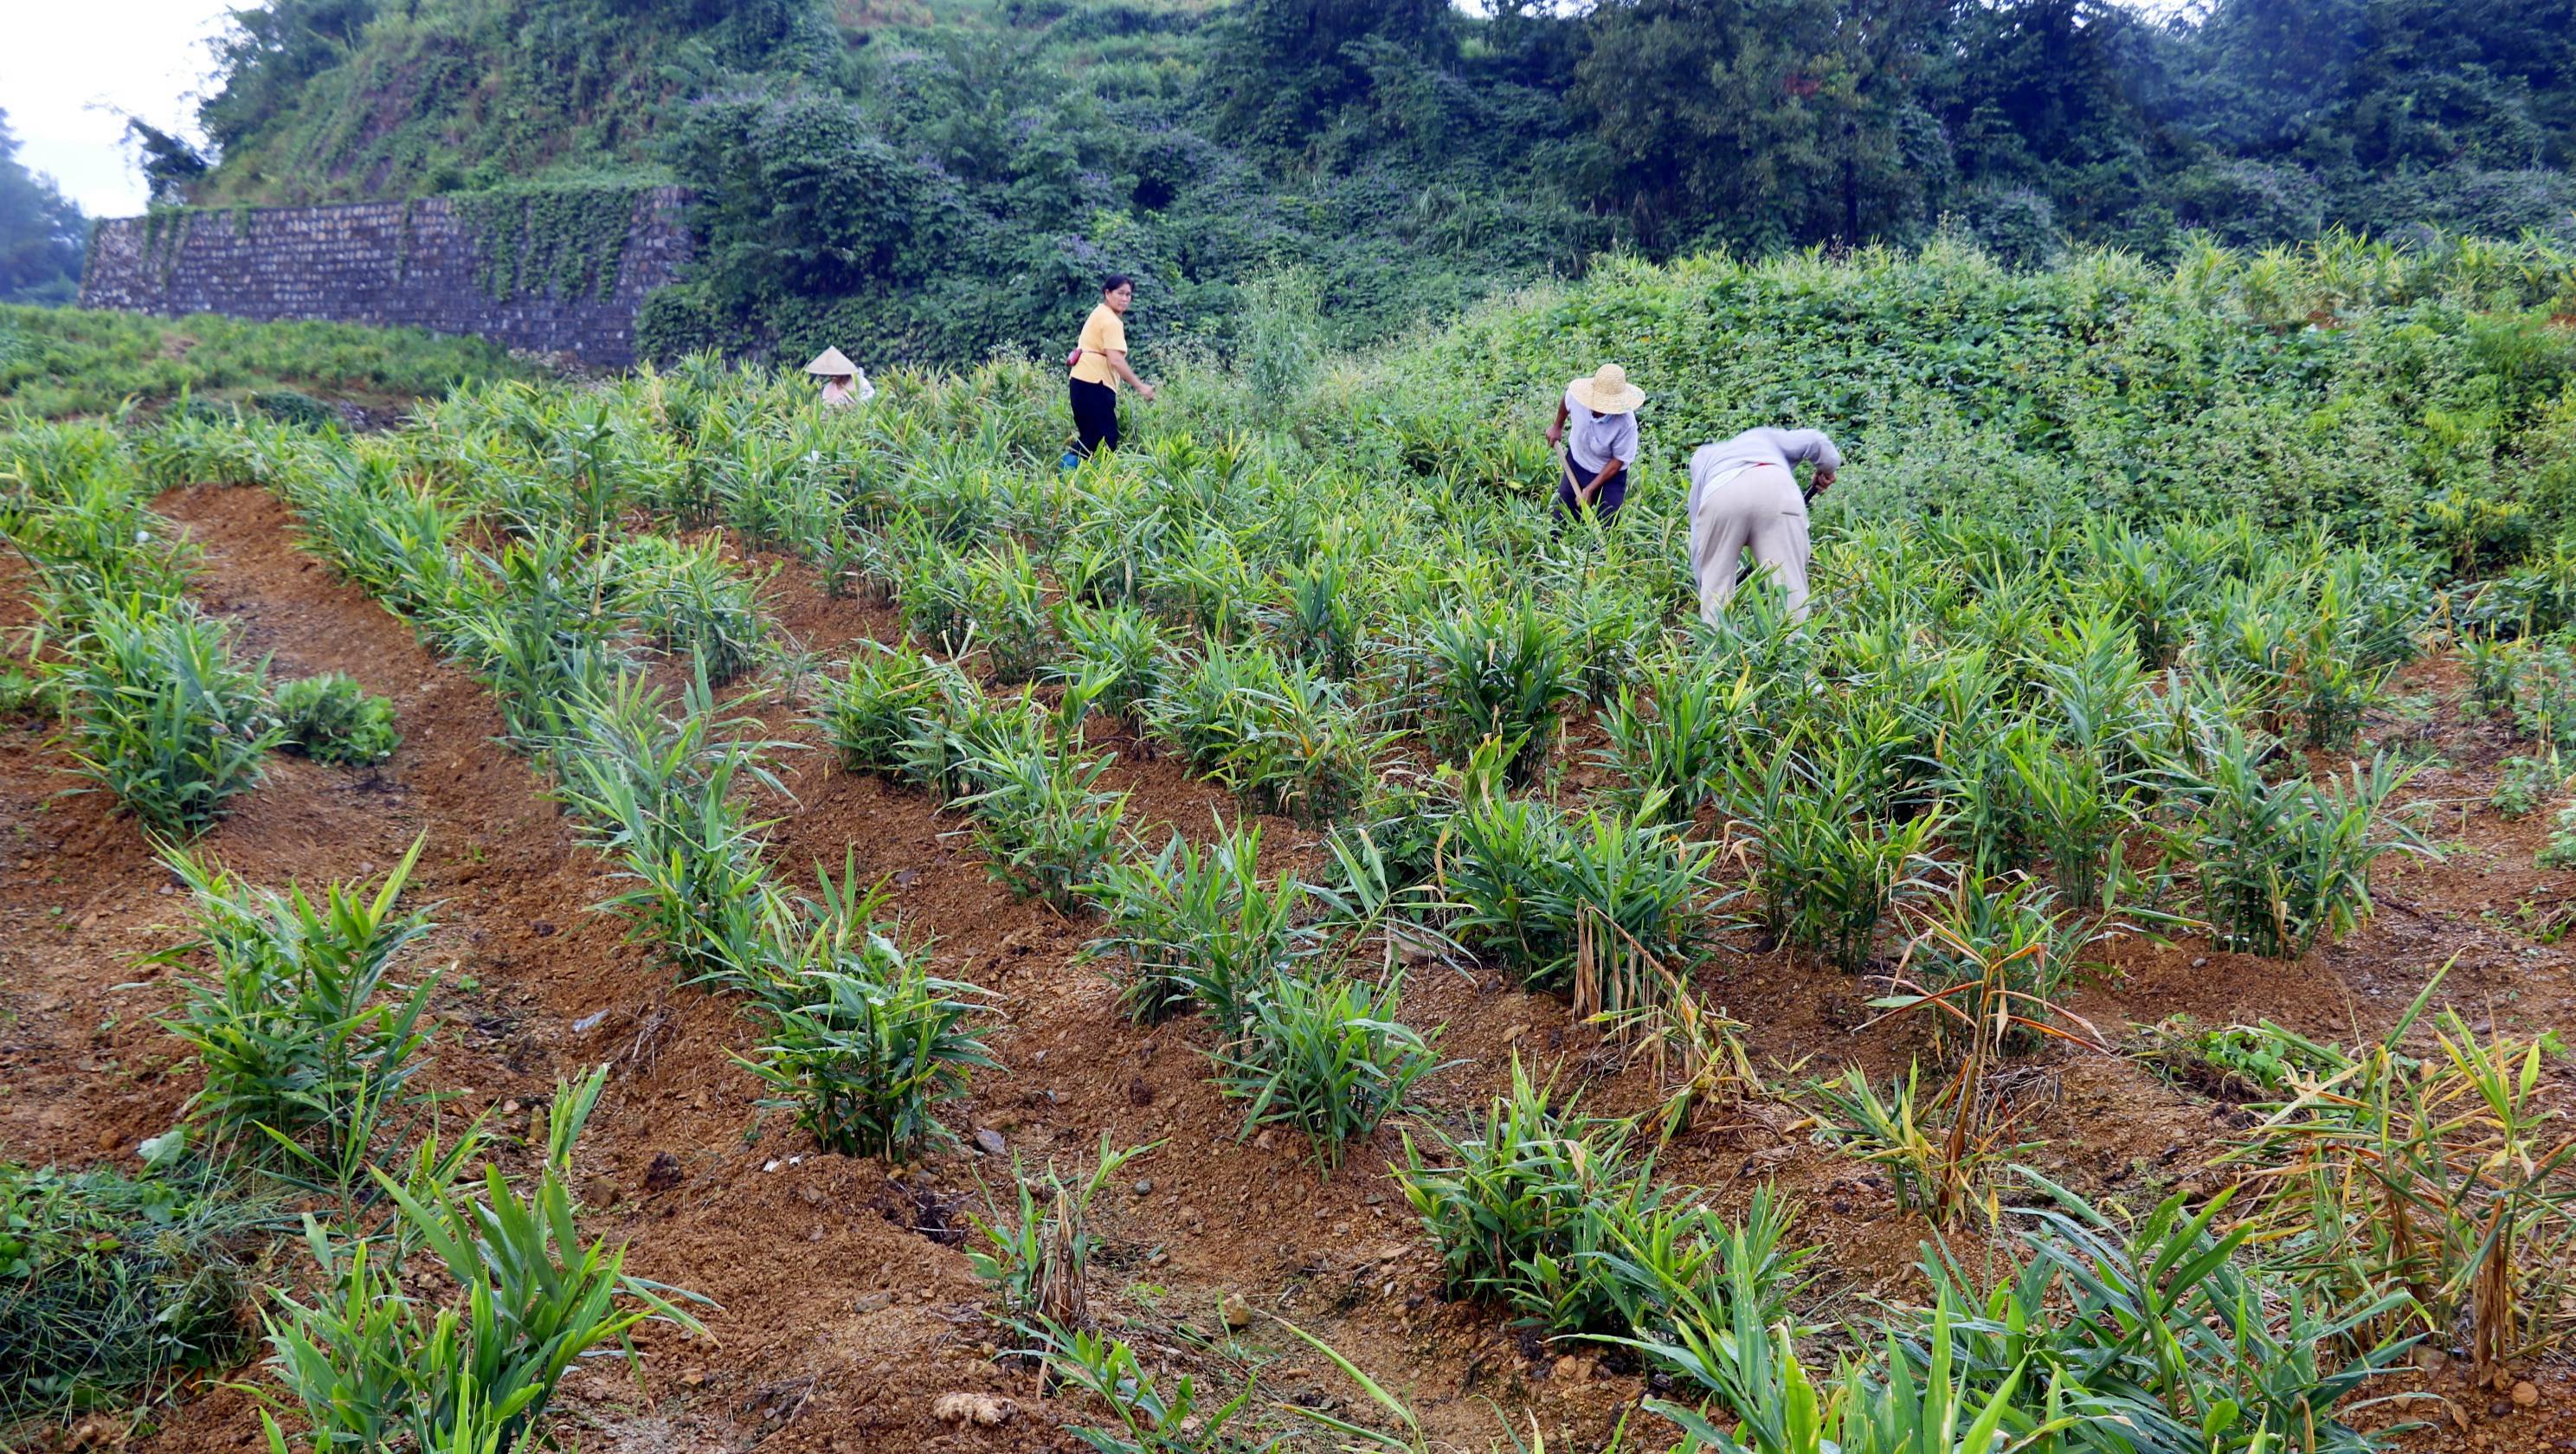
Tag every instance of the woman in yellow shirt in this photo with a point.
(1098, 363)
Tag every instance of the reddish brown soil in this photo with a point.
(845, 1307)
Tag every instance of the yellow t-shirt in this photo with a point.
(1103, 334)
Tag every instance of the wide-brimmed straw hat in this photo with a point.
(831, 363)
(1607, 391)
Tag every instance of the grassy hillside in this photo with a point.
(2428, 396)
(62, 362)
(929, 181)
(337, 100)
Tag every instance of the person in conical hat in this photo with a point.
(1601, 443)
(843, 381)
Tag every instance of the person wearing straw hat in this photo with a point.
(844, 383)
(1600, 445)
(1744, 495)
(1098, 362)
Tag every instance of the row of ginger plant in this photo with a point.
(311, 1050)
(2203, 746)
(1200, 928)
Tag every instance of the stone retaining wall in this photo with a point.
(418, 263)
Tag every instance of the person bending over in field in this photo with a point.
(1098, 362)
(1744, 494)
(844, 383)
(1600, 446)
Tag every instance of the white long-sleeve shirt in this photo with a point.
(1782, 447)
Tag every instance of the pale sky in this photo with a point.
(64, 63)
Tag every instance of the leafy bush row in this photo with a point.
(160, 709)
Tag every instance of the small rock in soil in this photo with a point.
(664, 1173)
(981, 1409)
(1238, 1313)
(1145, 1188)
(990, 1142)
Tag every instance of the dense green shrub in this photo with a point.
(164, 718)
(866, 1058)
(1326, 1056)
(688, 600)
(1196, 927)
(110, 1282)
(306, 1044)
(330, 718)
(295, 409)
(1284, 738)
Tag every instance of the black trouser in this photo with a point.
(1614, 493)
(1095, 416)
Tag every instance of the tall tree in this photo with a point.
(1282, 69)
(268, 54)
(1759, 123)
(42, 233)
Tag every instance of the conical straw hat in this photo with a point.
(1608, 391)
(831, 363)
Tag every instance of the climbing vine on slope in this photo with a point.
(567, 239)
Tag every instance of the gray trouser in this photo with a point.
(1748, 505)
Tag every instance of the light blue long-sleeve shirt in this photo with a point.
(1782, 447)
